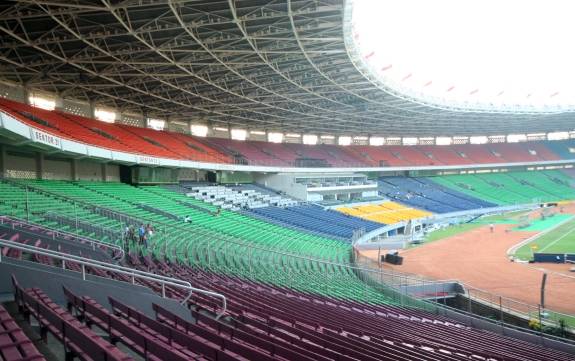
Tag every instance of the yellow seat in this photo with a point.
(387, 212)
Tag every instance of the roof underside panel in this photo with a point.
(274, 65)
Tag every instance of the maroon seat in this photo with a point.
(210, 345)
(375, 331)
(14, 344)
(260, 341)
(120, 330)
(77, 339)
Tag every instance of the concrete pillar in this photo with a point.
(91, 109)
(74, 169)
(145, 118)
(3, 161)
(26, 91)
(39, 165)
(104, 172)
(59, 102)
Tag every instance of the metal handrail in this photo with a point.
(351, 265)
(120, 215)
(492, 295)
(134, 273)
(93, 242)
(78, 201)
(227, 239)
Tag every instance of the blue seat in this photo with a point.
(317, 220)
(425, 194)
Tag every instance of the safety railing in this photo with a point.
(132, 273)
(508, 307)
(75, 202)
(163, 231)
(74, 222)
(503, 308)
(216, 245)
(389, 282)
(16, 222)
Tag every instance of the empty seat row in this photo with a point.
(14, 344)
(512, 187)
(216, 150)
(316, 219)
(350, 329)
(269, 321)
(384, 212)
(425, 194)
(77, 339)
(237, 198)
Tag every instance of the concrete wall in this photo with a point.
(235, 177)
(57, 169)
(284, 183)
(191, 174)
(20, 165)
(23, 165)
(112, 173)
(89, 171)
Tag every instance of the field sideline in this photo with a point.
(559, 240)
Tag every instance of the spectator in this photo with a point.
(148, 235)
(141, 233)
(130, 238)
(126, 238)
(127, 233)
(132, 234)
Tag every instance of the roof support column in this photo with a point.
(39, 157)
(92, 110)
(58, 102)
(74, 169)
(104, 172)
(26, 91)
(3, 160)
(189, 130)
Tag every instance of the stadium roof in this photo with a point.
(274, 65)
